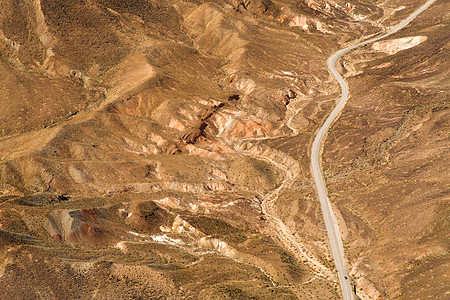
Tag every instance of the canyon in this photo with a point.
(161, 149)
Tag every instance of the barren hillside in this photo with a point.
(160, 149)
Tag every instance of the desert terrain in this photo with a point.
(161, 149)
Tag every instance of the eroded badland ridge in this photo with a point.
(160, 149)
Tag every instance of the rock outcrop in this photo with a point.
(393, 46)
(198, 128)
(255, 6)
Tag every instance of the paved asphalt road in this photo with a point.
(328, 215)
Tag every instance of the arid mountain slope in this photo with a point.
(387, 161)
(160, 148)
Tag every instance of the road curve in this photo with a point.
(328, 215)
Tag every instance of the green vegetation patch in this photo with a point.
(228, 291)
(265, 248)
(40, 199)
(254, 174)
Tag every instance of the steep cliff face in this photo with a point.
(169, 140)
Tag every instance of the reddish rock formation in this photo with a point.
(198, 128)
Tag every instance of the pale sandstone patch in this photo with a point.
(393, 46)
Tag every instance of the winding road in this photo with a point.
(328, 215)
